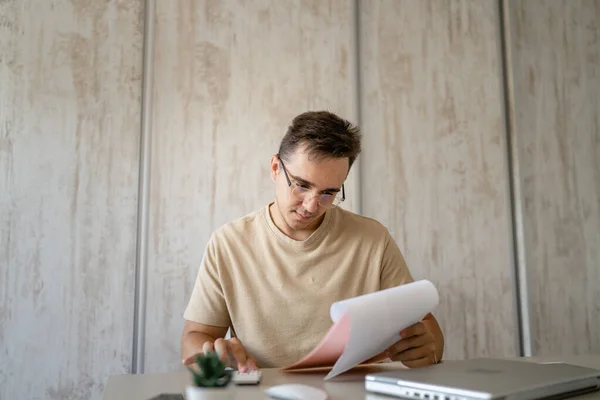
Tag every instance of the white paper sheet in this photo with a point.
(376, 320)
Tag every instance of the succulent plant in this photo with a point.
(210, 371)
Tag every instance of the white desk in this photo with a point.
(348, 386)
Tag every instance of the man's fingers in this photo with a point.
(227, 349)
(413, 330)
(190, 359)
(222, 349)
(252, 364)
(421, 362)
(405, 344)
(239, 353)
(208, 347)
(413, 354)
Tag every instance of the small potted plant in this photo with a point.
(209, 378)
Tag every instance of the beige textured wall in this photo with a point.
(229, 77)
(69, 136)
(556, 64)
(436, 159)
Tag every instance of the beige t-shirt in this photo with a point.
(275, 292)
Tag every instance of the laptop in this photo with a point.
(485, 378)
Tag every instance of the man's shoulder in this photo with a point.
(365, 225)
(241, 226)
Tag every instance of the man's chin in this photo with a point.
(298, 222)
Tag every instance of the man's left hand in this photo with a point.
(417, 347)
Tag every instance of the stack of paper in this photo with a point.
(365, 326)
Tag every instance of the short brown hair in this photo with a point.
(323, 134)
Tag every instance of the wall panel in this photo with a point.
(69, 137)
(435, 158)
(556, 67)
(229, 77)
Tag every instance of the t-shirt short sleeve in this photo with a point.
(394, 271)
(207, 303)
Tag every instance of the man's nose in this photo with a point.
(311, 204)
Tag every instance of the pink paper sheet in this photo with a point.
(327, 352)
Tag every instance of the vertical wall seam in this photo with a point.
(358, 102)
(141, 265)
(515, 187)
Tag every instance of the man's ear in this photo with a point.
(274, 167)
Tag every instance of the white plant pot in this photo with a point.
(208, 393)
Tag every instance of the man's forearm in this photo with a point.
(192, 343)
(433, 327)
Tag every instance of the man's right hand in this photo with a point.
(229, 351)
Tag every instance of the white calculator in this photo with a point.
(246, 378)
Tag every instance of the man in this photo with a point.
(272, 275)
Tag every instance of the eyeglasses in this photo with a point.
(301, 190)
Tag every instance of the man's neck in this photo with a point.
(300, 234)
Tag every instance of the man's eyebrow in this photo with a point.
(308, 183)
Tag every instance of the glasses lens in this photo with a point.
(299, 191)
(324, 200)
(337, 199)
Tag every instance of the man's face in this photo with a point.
(316, 177)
